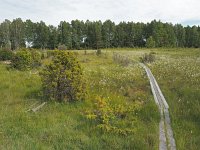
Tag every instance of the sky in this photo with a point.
(186, 12)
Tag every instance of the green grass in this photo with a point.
(64, 125)
(178, 74)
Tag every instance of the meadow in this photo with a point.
(67, 125)
(118, 87)
(178, 74)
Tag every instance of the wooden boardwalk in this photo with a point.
(166, 137)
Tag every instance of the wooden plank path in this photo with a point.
(36, 108)
(39, 107)
(166, 137)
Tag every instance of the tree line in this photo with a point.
(78, 34)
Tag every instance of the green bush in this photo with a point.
(36, 57)
(120, 59)
(150, 42)
(62, 47)
(148, 58)
(62, 79)
(113, 118)
(22, 60)
(98, 52)
(6, 55)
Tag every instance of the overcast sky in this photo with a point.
(52, 12)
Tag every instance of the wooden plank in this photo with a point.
(39, 107)
(31, 106)
(165, 119)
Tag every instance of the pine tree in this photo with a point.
(150, 43)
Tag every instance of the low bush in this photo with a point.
(36, 58)
(98, 52)
(113, 118)
(22, 60)
(148, 58)
(6, 55)
(62, 47)
(120, 59)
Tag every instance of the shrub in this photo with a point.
(22, 60)
(36, 57)
(150, 42)
(147, 58)
(62, 47)
(98, 52)
(113, 118)
(120, 59)
(6, 55)
(62, 79)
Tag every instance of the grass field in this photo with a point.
(178, 74)
(65, 126)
